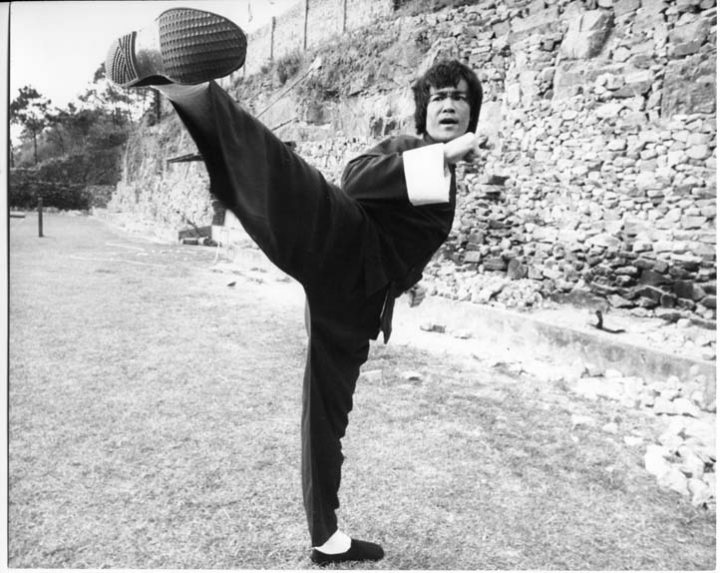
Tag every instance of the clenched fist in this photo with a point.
(464, 148)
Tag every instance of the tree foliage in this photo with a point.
(76, 146)
(100, 118)
(31, 111)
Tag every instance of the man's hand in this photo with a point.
(417, 295)
(464, 148)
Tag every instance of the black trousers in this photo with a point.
(314, 232)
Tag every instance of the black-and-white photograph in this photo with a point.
(361, 284)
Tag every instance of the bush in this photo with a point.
(100, 195)
(26, 188)
(288, 66)
(96, 168)
(78, 181)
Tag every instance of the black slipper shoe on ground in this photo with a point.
(359, 551)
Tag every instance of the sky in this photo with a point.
(56, 46)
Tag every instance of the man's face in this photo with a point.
(448, 112)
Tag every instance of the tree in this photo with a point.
(31, 111)
(124, 105)
(100, 118)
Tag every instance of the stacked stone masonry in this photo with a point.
(612, 155)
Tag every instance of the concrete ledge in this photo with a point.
(528, 336)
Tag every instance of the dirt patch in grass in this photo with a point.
(154, 423)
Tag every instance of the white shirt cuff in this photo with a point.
(426, 176)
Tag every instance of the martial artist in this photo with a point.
(353, 248)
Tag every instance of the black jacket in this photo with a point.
(405, 236)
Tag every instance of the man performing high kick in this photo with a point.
(353, 248)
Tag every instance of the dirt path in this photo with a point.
(154, 414)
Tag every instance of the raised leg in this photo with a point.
(306, 226)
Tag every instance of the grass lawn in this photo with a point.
(154, 416)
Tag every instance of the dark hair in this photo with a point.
(443, 74)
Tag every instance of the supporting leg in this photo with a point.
(339, 345)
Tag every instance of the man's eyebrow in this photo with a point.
(451, 90)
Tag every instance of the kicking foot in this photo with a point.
(182, 46)
(359, 551)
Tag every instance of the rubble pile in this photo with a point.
(681, 455)
(684, 460)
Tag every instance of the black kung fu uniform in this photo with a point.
(353, 249)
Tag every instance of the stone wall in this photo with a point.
(608, 144)
(175, 195)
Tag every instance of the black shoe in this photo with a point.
(182, 46)
(359, 551)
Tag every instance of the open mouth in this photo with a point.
(448, 121)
